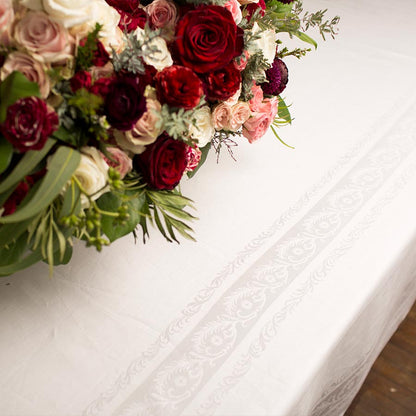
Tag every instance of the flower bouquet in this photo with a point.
(106, 104)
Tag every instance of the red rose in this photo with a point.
(81, 79)
(179, 86)
(223, 83)
(29, 122)
(15, 198)
(163, 162)
(124, 102)
(207, 39)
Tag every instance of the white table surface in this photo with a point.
(304, 266)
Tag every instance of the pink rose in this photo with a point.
(234, 7)
(39, 34)
(221, 116)
(6, 20)
(240, 113)
(257, 98)
(256, 126)
(120, 161)
(31, 68)
(241, 61)
(162, 14)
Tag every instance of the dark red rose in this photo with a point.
(81, 79)
(29, 122)
(252, 7)
(207, 39)
(163, 162)
(222, 84)
(179, 86)
(148, 78)
(131, 15)
(15, 198)
(101, 86)
(124, 103)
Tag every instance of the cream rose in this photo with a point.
(41, 35)
(145, 131)
(67, 12)
(92, 174)
(6, 20)
(266, 43)
(32, 68)
(221, 116)
(203, 129)
(240, 113)
(157, 54)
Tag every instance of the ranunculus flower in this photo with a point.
(92, 174)
(234, 7)
(38, 33)
(240, 113)
(203, 130)
(157, 54)
(124, 102)
(29, 123)
(179, 86)
(81, 79)
(145, 131)
(222, 83)
(207, 39)
(162, 15)
(120, 161)
(31, 68)
(163, 162)
(193, 156)
(6, 20)
(221, 116)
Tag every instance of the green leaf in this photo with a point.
(204, 155)
(6, 153)
(27, 261)
(72, 201)
(283, 111)
(61, 167)
(278, 138)
(26, 165)
(14, 251)
(305, 38)
(14, 87)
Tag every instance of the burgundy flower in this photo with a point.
(81, 79)
(29, 122)
(163, 162)
(101, 86)
(252, 7)
(124, 102)
(278, 76)
(131, 15)
(223, 83)
(101, 56)
(179, 86)
(207, 39)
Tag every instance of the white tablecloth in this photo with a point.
(304, 266)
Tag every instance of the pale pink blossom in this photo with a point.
(32, 68)
(193, 155)
(257, 99)
(240, 113)
(6, 20)
(234, 7)
(221, 116)
(234, 98)
(39, 34)
(241, 62)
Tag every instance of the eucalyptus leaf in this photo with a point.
(21, 264)
(305, 38)
(6, 153)
(283, 110)
(13, 88)
(26, 165)
(61, 167)
(14, 251)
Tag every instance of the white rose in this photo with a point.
(92, 174)
(203, 130)
(266, 43)
(67, 12)
(160, 58)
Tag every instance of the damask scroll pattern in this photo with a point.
(171, 386)
(202, 297)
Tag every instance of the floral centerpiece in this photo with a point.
(106, 104)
